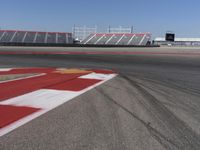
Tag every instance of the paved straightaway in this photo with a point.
(152, 105)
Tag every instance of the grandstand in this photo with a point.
(117, 39)
(34, 37)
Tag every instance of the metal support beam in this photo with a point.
(142, 39)
(24, 37)
(90, 39)
(120, 39)
(99, 39)
(13, 36)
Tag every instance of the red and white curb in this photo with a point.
(23, 100)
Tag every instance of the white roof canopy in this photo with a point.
(180, 39)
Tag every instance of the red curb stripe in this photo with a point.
(27, 71)
(19, 87)
(75, 85)
(10, 114)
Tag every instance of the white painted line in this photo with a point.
(44, 98)
(97, 76)
(110, 39)
(35, 38)
(5, 69)
(120, 39)
(99, 39)
(24, 37)
(142, 39)
(131, 39)
(13, 36)
(2, 35)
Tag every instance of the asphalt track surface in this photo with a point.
(153, 104)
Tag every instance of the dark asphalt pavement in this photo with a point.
(153, 104)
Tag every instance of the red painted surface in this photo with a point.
(109, 34)
(20, 87)
(100, 34)
(75, 85)
(10, 114)
(27, 71)
(121, 34)
(51, 80)
(129, 34)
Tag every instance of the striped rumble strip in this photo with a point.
(26, 98)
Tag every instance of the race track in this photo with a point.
(153, 103)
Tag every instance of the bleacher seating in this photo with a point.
(117, 39)
(104, 39)
(51, 38)
(95, 39)
(12, 36)
(7, 36)
(146, 40)
(124, 40)
(1, 34)
(29, 37)
(40, 37)
(61, 38)
(18, 36)
(136, 40)
(88, 38)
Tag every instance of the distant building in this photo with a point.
(178, 42)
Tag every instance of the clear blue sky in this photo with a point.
(155, 16)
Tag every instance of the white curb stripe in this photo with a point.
(45, 99)
(5, 69)
(98, 76)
